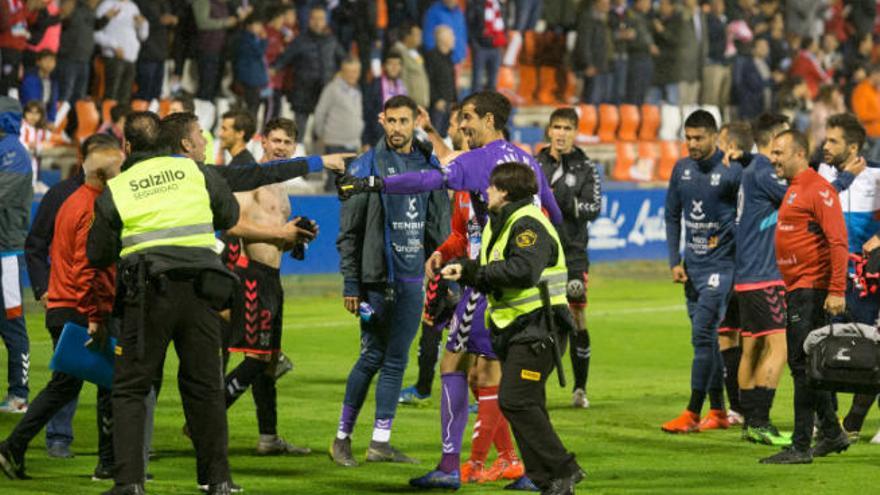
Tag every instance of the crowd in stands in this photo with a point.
(332, 63)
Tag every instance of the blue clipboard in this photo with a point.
(74, 358)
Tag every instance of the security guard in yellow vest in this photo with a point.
(521, 248)
(158, 218)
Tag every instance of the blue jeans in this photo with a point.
(618, 84)
(667, 93)
(385, 343)
(640, 72)
(12, 327)
(150, 76)
(528, 12)
(485, 60)
(598, 89)
(73, 80)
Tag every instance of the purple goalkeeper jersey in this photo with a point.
(470, 172)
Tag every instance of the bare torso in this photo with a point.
(268, 206)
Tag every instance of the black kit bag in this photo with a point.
(844, 357)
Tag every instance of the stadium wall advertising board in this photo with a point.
(630, 227)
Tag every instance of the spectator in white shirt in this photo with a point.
(120, 41)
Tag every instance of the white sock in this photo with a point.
(381, 435)
(342, 435)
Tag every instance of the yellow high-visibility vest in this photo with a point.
(163, 201)
(516, 302)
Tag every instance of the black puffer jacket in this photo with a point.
(578, 190)
(316, 58)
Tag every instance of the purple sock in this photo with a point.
(453, 418)
(346, 421)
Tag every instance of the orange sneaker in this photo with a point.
(504, 468)
(687, 422)
(472, 472)
(715, 420)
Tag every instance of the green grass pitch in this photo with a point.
(639, 378)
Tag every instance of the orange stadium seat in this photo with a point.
(626, 158)
(646, 166)
(139, 105)
(87, 119)
(669, 154)
(650, 122)
(629, 122)
(588, 120)
(609, 119)
(164, 107)
(105, 110)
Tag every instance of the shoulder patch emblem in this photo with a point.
(526, 238)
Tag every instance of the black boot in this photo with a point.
(132, 489)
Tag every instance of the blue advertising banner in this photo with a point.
(630, 227)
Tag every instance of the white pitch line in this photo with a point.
(625, 311)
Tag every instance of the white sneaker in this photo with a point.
(876, 439)
(14, 405)
(579, 399)
(734, 418)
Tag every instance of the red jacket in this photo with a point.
(72, 282)
(14, 18)
(811, 244)
(456, 245)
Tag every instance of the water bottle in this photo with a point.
(365, 311)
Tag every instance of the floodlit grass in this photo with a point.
(639, 378)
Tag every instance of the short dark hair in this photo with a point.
(853, 131)
(401, 101)
(740, 132)
(174, 128)
(516, 179)
(286, 125)
(405, 28)
(765, 127)
(565, 113)
(142, 132)
(391, 54)
(490, 102)
(186, 101)
(98, 141)
(798, 139)
(119, 111)
(701, 119)
(242, 121)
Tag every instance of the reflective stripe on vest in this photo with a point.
(517, 302)
(163, 201)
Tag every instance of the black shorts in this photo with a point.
(732, 319)
(762, 310)
(576, 288)
(259, 313)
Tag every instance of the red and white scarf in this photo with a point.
(494, 22)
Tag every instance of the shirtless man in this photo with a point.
(260, 318)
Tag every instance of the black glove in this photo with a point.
(469, 272)
(348, 185)
(298, 252)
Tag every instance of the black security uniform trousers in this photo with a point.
(522, 397)
(806, 313)
(174, 312)
(61, 389)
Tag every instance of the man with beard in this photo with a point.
(844, 140)
(383, 241)
(482, 119)
(259, 322)
(578, 191)
(703, 191)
